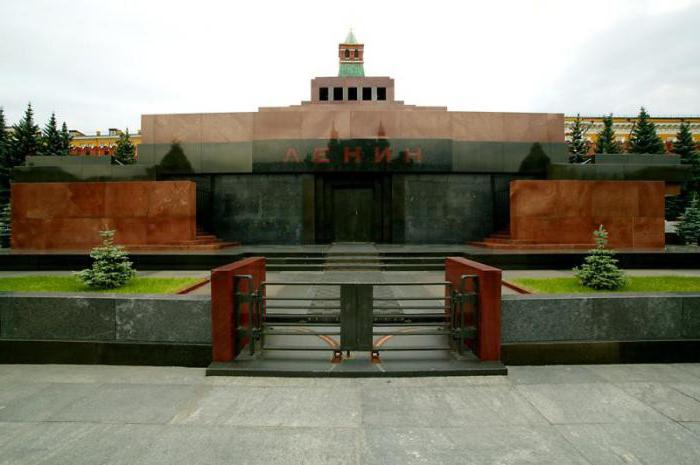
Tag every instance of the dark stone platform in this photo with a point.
(315, 257)
(318, 365)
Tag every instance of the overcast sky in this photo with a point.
(101, 64)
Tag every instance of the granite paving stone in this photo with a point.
(274, 406)
(693, 426)
(689, 389)
(130, 403)
(634, 443)
(690, 368)
(665, 399)
(12, 390)
(227, 445)
(558, 415)
(641, 373)
(474, 445)
(570, 374)
(447, 406)
(587, 403)
(71, 443)
(40, 404)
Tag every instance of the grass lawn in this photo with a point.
(72, 284)
(634, 284)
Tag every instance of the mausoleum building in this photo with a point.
(350, 164)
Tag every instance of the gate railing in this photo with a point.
(356, 316)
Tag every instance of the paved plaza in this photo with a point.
(607, 414)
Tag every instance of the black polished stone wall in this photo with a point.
(259, 209)
(446, 209)
(418, 208)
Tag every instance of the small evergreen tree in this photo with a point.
(644, 138)
(578, 147)
(599, 270)
(689, 227)
(606, 139)
(25, 139)
(125, 152)
(65, 139)
(111, 267)
(51, 142)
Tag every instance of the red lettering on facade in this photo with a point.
(355, 154)
(291, 156)
(382, 155)
(320, 155)
(411, 155)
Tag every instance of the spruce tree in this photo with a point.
(3, 136)
(685, 147)
(111, 267)
(4, 148)
(606, 139)
(125, 152)
(51, 142)
(5, 224)
(578, 147)
(4, 160)
(599, 270)
(25, 139)
(65, 139)
(644, 138)
(689, 227)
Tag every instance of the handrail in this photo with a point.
(386, 318)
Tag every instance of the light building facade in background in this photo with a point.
(99, 144)
(666, 127)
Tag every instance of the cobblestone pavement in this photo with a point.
(609, 414)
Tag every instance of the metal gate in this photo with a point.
(353, 318)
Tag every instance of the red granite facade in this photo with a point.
(567, 212)
(69, 216)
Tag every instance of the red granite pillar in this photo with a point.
(224, 322)
(489, 325)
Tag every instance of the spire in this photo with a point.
(351, 54)
(350, 38)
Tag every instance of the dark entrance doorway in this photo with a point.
(353, 207)
(353, 218)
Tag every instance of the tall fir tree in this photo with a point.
(606, 139)
(685, 147)
(125, 152)
(25, 139)
(3, 136)
(689, 226)
(4, 160)
(51, 143)
(578, 147)
(644, 138)
(66, 138)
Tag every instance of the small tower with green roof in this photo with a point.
(351, 54)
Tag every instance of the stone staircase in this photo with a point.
(502, 240)
(355, 257)
(202, 241)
